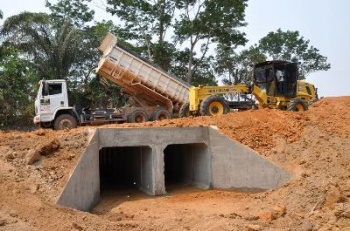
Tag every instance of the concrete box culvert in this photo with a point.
(157, 159)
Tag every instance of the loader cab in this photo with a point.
(276, 78)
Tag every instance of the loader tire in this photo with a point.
(65, 121)
(297, 104)
(138, 116)
(184, 110)
(161, 114)
(213, 105)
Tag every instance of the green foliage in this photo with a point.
(279, 45)
(209, 21)
(75, 11)
(291, 46)
(237, 67)
(203, 75)
(16, 87)
(147, 23)
(52, 51)
(196, 23)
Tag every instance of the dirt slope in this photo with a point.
(313, 145)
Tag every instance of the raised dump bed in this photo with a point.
(146, 83)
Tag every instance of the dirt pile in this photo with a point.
(313, 145)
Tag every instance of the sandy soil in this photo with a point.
(313, 145)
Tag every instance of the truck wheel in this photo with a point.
(161, 114)
(213, 105)
(65, 121)
(137, 116)
(297, 104)
(185, 110)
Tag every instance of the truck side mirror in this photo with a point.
(45, 91)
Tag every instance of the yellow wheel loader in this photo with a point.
(275, 84)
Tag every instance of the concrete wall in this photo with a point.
(235, 166)
(210, 160)
(82, 190)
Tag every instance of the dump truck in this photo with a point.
(267, 90)
(156, 93)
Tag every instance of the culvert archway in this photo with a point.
(186, 164)
(123, 168)
(202, 155)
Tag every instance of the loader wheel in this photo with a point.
(213, 105)
(297, 104)
(137, 116)
(185, 110)
(161, 114)
(65, 121)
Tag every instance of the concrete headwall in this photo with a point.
(235, 166)
(82, 190)
(209, 160)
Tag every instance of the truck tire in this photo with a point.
(297, 104)
(213, 105)
(138, 116)
(65, 121)
(185, 110)
(161, 114)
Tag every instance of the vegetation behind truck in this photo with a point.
(156, 93)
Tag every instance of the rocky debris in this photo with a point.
(33, 156)
(43, 150)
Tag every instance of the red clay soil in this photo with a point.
(313, 145)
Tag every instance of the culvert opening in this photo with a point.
(186, 165)
(125, 168)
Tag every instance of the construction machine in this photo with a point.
(156, 93)
(267, 90)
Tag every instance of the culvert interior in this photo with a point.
(125, 168)
(186, 164)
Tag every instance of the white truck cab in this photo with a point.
(52, 107)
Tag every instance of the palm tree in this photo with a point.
(53, 49)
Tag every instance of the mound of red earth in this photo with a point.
(313, 145)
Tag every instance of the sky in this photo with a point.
(324, 23)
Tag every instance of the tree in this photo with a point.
(204, 74)
(52, 51)
(237, 67)
(146, 22)
(16, 88)
(292, 47)
(75, 11)
(204, 22)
